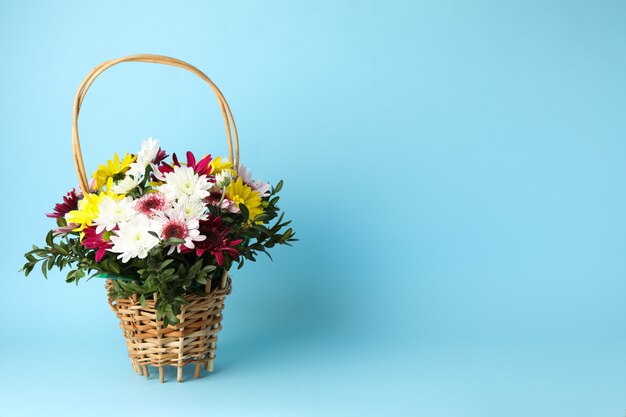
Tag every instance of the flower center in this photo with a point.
(174, 229)
(211, 241)
(151, 203)
(237, 200)
(118, 176)
(214, 236)
(187, 188)
(147, 204)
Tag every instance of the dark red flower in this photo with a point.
(216, 242)
(99, 241)
(214, 197)
(70, 202)
(202, 167)
(160, 157)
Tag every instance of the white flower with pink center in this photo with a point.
(175, 224)
(151, 204)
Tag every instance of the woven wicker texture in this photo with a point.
(192, 341)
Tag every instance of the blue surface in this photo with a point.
(455, 171)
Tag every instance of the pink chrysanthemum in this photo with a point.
(70, 202)
(150, 204)
(174, 224)
(174, 228)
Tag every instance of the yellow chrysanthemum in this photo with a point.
(217, 165)
(88, 209)
(240, 193)
(86, 213)
(114, 169)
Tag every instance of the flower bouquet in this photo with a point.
(164, 233)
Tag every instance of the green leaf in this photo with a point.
(278, 187)
(142, 300)
(263, 217)
(171, 316)
(174, 241)
(44, 268)
(167, 262)
(49, 238)
(182, 300)
(244, 212)
(114, 267)
(61, 250)
(160, 310)
(262, 228)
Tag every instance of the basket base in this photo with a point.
(143, 370)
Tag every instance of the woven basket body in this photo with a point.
(192, 341)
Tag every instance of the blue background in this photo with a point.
(455, 171)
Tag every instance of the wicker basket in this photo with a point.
(193, 340)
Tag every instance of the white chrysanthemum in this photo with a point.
(133, 238)
(263, 188)
(149, 150)
(126, 184)
(223, 178)
(174, 224)
(113, 211)
(192, 209)
(136, 171)
(183, 185)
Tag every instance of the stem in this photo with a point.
(146, 179)
(219, 205)
(180, 257)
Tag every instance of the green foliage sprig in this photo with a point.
(170, 277)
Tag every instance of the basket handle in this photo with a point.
(153, 59)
